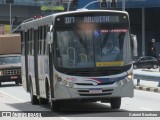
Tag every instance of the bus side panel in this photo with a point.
(31, 72)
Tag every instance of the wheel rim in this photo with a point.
(154, 66)
(135, 66)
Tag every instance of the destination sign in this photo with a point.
(91, 19)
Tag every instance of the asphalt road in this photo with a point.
(15, 98)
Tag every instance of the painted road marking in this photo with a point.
(12, 96)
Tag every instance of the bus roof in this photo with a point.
(48, 20)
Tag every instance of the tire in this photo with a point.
(0, 84)
(134, 66)
(155, 66)
(16, 82)
(115, 103)
(34, 100)
(43, 101)
(54, 105)
(20, 82)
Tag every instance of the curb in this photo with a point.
(147, 89)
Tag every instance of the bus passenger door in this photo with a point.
(24, 60)
(49, 39)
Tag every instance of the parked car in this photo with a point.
(145, 62)
(10, 68)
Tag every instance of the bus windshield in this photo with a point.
(92, 47)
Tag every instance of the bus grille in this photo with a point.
(87, 93)
(12, 72)
(91, 84)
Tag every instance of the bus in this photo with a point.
(63, 58)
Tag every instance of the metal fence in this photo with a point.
(147, 78)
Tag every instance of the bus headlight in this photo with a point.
(1, 73)
(71, 84)
(59, 79)
(118, 83)
(64, 82)
(130, 76)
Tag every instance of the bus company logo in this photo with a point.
(72, 79)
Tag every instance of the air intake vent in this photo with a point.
(12, 72)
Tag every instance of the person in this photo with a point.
(110, 47)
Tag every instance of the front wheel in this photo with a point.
(54, 105)
(115, 103)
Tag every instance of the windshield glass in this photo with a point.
(92, 48)
(10, 60)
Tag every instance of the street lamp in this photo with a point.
(123, 5)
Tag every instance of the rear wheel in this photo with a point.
(115, 103)
(0, 84)
(34, 99)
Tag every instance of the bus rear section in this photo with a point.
(88, 58)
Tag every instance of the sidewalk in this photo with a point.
(147, 85)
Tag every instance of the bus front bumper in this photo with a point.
(90, 92)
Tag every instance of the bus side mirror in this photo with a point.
(134, 45)
(49, 38)
(50, 35)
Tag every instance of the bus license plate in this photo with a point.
(14, 77)
(95, 91)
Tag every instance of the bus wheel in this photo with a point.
(115, 103)
(43, 101)
(155, 66)
(34, 100)
(17, 82)
(54, 105)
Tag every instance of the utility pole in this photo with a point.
(10, 2)
(123, 5)
(10, 12)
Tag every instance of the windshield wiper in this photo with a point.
(80, 39)
(105, 39)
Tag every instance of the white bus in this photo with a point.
(65, 57)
